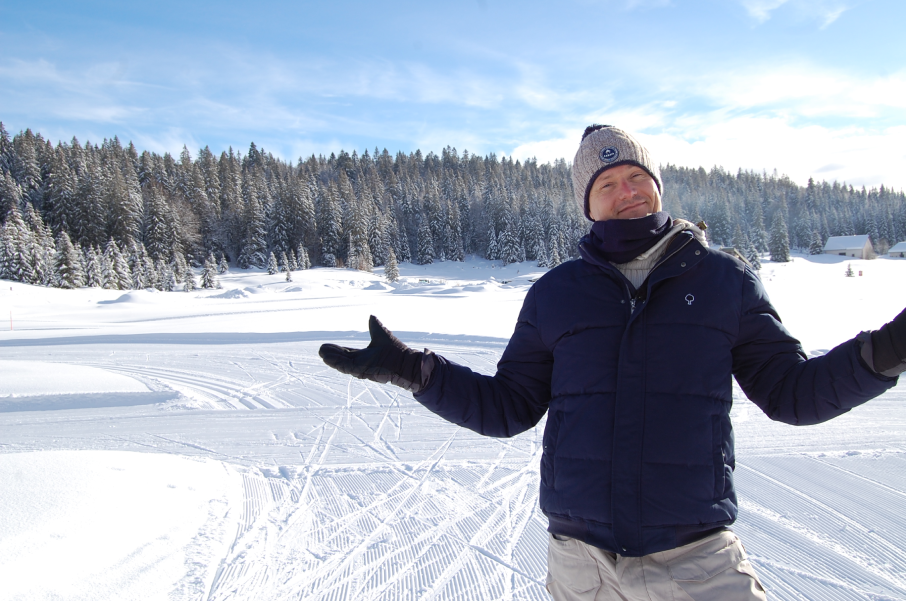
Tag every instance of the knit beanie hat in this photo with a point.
(603, 147)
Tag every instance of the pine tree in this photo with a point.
(137, 265)
(780, 240)
(7, 151)
(453, 233)
(554, 254)
(359, 253)
(160, 239)
(209, 274)
(94, 273)
(91, 224)
(402, 247)
(754, 258)
(378, 238)
(849, 271)
(293, 264)
(120, 277)
(9, 252)
(302, 258)
(166, 279)
(223, 266)
(816, 247)
(492, 252)
(425, 244)
(352, 260)
(391, 269)
(68, 271)
(18, 245)
(25, 170)
(10, 195)
(179, 266)
(508, 247)
(123, 196)
(272, 266)
(254, 242)
(759, 235)
(541, 255)
(149, 269)
(41, 250)
(189, 283)
(330, 224)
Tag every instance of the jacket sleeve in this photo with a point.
(773, 371)
(503, 405)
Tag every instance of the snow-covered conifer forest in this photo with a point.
(113, 216)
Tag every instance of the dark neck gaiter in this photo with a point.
(622, 240)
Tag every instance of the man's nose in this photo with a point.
(626, 189)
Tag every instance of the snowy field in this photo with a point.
(193, 446)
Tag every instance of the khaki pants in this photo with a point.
(712, 569)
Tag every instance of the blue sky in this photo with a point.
(807, 87)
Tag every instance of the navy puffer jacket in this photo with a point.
(638, 447)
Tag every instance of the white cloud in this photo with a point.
(852, 154)
(824, 11)
(807, 89)
(548, 151)
(760, 10)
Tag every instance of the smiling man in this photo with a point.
(631, 351)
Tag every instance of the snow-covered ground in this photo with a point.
(193, 446)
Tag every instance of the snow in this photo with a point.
(110, 524)
(30, 378)
(193, 445)
(846, 243)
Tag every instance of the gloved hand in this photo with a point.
(888, 346)
(386, 359)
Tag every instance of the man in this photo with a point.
(631, 351)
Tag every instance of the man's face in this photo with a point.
(623, 192)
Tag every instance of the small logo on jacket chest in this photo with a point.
(689, 299)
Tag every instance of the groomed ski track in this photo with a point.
(353, 491)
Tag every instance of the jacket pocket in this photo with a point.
(548, 453)
(717, 453)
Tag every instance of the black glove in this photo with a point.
(888, 345)
(386, 359)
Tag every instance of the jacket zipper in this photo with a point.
(641, 293)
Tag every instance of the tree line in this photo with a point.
(108, 215)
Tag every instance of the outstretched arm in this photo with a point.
(773, 371)
(503, 405)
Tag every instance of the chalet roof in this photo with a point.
(898, 247)
(846, 242)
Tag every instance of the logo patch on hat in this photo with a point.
(609, 154)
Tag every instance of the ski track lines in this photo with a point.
(222, 393)
(388, 531)
(351, 490)
(211, 389)
(829, 537)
